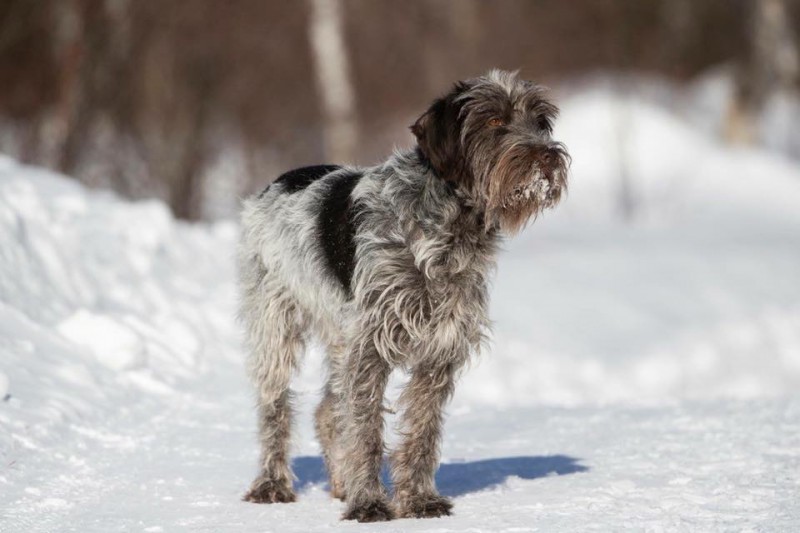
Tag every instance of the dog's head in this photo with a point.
(491, 136)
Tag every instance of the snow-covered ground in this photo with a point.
(644, 374)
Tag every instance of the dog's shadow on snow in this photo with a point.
(457, 479)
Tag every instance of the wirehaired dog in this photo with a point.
(388, 266)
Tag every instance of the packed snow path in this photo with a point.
(643, 376)
(700, 467)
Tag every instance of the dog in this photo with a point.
(388, 266)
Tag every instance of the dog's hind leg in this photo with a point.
(327, 422)
(274, 334)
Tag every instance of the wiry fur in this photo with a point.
(388, 266)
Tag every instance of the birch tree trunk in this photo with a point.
(334, 81)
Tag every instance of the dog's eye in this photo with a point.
(544, 124)
(495, 122)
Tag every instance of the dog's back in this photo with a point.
(299, 233)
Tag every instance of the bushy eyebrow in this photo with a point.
(536, 105)
(545, 122)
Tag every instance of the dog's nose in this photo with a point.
(547, 157)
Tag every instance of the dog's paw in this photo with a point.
(423, 506)
(374, 511)
(270, 491)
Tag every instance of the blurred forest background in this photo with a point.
(199, 102)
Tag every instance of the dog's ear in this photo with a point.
(438, 133)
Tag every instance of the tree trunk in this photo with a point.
(771, 64)
(334, 82)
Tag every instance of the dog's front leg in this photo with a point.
(362, 417)
(414, 463)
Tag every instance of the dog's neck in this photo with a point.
(444, 229)
(470, 216)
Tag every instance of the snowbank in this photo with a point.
(101, 301)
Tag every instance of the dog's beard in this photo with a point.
(520, 187)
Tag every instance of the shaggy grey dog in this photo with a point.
(388, 266)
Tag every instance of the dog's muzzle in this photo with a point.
(547, 178)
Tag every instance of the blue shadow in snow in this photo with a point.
(457, 479)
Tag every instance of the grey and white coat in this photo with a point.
(389, 266)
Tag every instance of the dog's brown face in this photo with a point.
(491, 136)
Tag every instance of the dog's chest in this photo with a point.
(428, 295)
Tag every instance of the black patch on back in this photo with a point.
(300, 178)
(337, 227)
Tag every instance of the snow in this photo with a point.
(643, 374)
